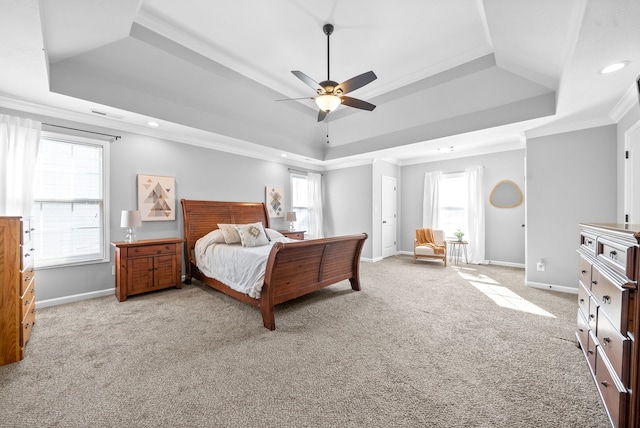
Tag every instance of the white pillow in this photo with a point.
(273, 234)
(230, 233)
(252, 234)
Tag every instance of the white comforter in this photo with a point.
(241, 268)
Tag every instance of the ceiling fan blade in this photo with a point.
(294, 99)
(306, 79)
(357, 82)
(321, 115)
(354, 102)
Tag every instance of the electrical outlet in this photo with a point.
(540, 265)
(113, 270)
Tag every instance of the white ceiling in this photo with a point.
(478, 75)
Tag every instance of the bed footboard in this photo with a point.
(298, 268)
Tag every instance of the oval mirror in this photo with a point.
(505, 194)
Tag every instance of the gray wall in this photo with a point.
(200, 173)
(571, 178)
(347, 203)
(505, 242)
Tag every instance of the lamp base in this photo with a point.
(291, 227)
(131, 236)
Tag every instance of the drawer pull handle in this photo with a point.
(26, 326)
(27, 278)
(27, 302)
(606, 299)
(581, 330)
(581, 301)
(606, 341)
(613, 254)
(33, 311)
(605, 383)
(592, 316)
(589, 242)
(584, 272)
(590, 352)
(594, 282)
(27, 254)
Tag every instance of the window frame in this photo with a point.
(298, 209)
(105, 257)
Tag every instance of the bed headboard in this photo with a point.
(201, 217)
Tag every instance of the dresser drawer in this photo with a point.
(612, 299)
(583, 298)
(27, 299)
(613, 393)
(582, 331)
(151, 250)
(26, 276)
(592, 315)
(588, 242)
(616, 347)
(618, 256)
(27, 324)
(26, 252)
(27, 232)
(584, 271)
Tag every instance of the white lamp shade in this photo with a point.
(130, 218)
(291, 216)
(328, 102)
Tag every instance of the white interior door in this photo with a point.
(388, 216)
(632, 176)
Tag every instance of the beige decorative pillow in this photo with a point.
(252, 234)
(230, 233)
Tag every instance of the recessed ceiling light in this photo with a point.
(444, 150)
(614, 67)
(284, 155)
(152, 123)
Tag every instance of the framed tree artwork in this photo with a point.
(156, 198)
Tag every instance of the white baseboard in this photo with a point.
(543, 286)
(76, 298)
(507, 264)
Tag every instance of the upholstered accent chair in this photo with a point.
(430, 244)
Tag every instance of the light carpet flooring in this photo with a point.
(420, 346)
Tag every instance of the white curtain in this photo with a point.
(315, 206)
(475, 214)
(19, 144)
(431, 200)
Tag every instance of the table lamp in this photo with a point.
(130, 219)
(291, 217)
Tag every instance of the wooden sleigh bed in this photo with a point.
(293, 269)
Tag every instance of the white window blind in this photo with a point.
(300, 200)
(453, 196)
(69, 210)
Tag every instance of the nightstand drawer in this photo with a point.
(151, 250)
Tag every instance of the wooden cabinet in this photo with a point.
(608, 317)
(147, 265)
(17, 288)
(296, 234)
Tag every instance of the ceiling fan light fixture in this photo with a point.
(328, 103)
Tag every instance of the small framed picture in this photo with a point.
(156, 198)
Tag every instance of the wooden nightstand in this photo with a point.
(296, 234)
(147, 265)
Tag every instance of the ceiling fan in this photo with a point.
(330, 93)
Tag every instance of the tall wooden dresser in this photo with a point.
(609, 316)
(17, 288)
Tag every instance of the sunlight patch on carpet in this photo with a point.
(502, 296)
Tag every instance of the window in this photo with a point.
(300, 200)
(453, 196)
(69, 207)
